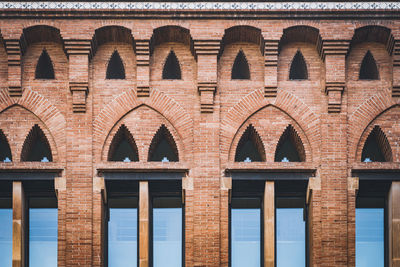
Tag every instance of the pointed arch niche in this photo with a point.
(163, 147)
(44, 67)
(5, 150)
(250, 147)
(171, 70)
(290, 148)
(123, 146)
(368, 68)
(36, 146)
(376, 147)
(298, 67)
(115, 68)
(240, 68)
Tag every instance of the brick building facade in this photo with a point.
(205, 114)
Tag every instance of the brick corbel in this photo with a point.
(334, 54)
(271, 68)
(187, 184)
(99, 186)
(353, 184)
(78, 72)
(206, 51)
(314, 183)
(13, 50)
(143, 67)
(396, 70)
(60, 184)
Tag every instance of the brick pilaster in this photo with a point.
(13, 50)
(143, 67)
(271, 68)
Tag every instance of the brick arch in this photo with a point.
(242, 33)
(373, 33)
(51, 117)
(301, 33)
(255, 101)
(111, 33)
(40, 33)
(176, 115)
(171, 33)
(364, 115)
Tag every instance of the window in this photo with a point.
(250, 147)
(376, 147)
(36, 146)
(371, 221)
(44, 67)
(42, 223)
(298, 68)
(115, 68)
(5, 151)
(6, 222)
(123, 146)
(163, 147)
(290, 232)
(246, 228)
(42, 232)
(290, 147)
(290, 223)
(122, 227)
(167, 220)
(368, 68)
(172, 70)
(240, 68)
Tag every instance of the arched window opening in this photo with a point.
(172, 70)
(250, 147)
(290, 147)
(36, 146)
(44, 67)
(123, 146)
(5, 150)
(163, 147)
(115, 68)
(240, 68)
(298, 68)
(368, 69)
(377, 147)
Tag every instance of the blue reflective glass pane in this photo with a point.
(6, 237)
(290, 238)
(167, 237)
(42, 237)
(246, 236)
(122, 237)
(370, 237)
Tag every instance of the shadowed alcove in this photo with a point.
(123, 146)
(240, 68)
(115, 68)
(290, 147)
(250, 147)
(44, 67)
(163, 147)
(171, 70)
(5, 150)
(298, 68)
(36, 146)
(377, 147)
(368, 68)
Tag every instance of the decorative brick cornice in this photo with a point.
(78, 47)
(296, 6)
(143, 52)
(207, 47)
(207, 91)
(334, 91)
(79, 92)
(335, 47)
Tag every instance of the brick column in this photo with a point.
(335, 65)
(206, 53)
(333, 167)
(206, 172)
(79, 169)
(14, 67)
(143, 67)
(19, 225)
(271, 68)
(394, 224)
(396, 70)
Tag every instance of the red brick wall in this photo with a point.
(206, 141)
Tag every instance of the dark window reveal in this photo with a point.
(171, 70)
(44, 67)
(298, 68)
(368, 69)
(240, 69)
(115, 68)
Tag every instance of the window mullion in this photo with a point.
(143, 224)
(19, 221)
(269, 224)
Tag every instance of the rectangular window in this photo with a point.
(167, 232)
(123, 232)
(6, 222)
(246, 232)
(370, 232)
(43, 232)
(290, 232)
